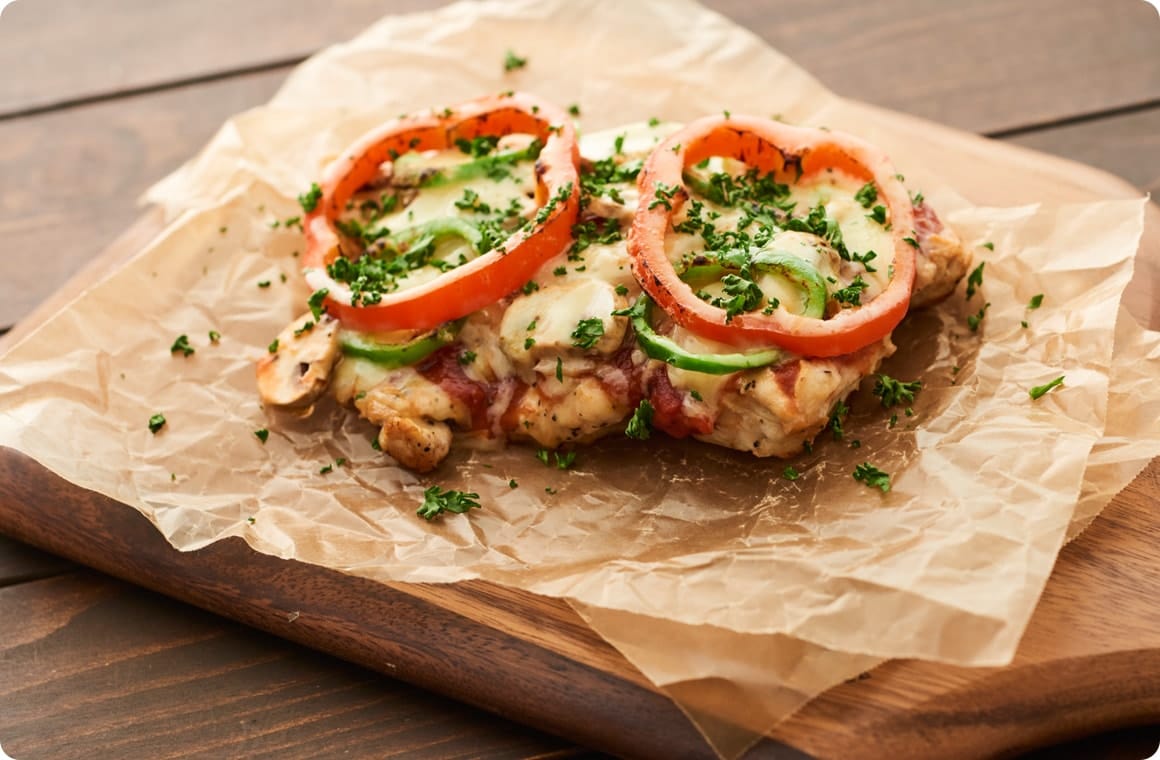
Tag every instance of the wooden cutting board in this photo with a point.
(1090, 660)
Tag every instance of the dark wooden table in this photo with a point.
(98, 100)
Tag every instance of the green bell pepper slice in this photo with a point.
(666, 350)
(395, 355)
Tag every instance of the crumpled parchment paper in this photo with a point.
(741, 596)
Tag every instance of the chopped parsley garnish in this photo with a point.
(974, 320)
(560, 271)
(864, 259)
(878, 214)
(562, 195)
(911, 240)
(653, 121)
(574, 109)
(621, 289)
(309, 199)
(273, 347)
(819, 223)
(975, 280)
(696, 394)
(264, 284)
(601, 232)
(306, 327)
(894, 392)
(989, 245)
(156, 422)
(641, 421)
(375, 444)
(513, 484)
(872, 476)
(836, 416)
(511, 62)
(1040, 390)
(565, 459)
(465, 358)
(528, 343)
(214, 336)
(325, 469)
(664, 196)
(867, 195)
(852, 293)
(436, 501)
(542, 455)
(531, 286)
(315, 302)
(587, 332)
(262, 435)
(789, 473)
(477, 147)
(182, 345)
(1036, 301)
(559, 369)
(618, 144)
(470, 202)
(744, 294)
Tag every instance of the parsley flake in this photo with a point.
(975, 280)
(1040, 390)
(894, 392)
(974, 320)
(262, 435)
(182, 345)
(1036, 301)
(867, 195)
(309, 199)
(156, 422)
(587, 332)
(638, 426)
(436, 501)
(273, 347)
(789, 473)
(836, 416)
(315, 302)
(214, 336)
(511, 62)
(872, 476)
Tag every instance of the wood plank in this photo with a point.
(68, 50)
(984, 66)
(82, 169)
(20, 563)
(1126, 145)
(1103, 663)
(952, 62)
(376, 625)
(76, 679)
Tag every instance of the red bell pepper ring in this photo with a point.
(483, 280)
(769, 146)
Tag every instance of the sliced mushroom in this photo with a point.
(297, 373)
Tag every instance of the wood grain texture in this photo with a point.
(983, 66)
(1122, 145)
(81, 171)
(1089, 661)
(144, 44)
(375, 625)
(20, 563)
(76, 682)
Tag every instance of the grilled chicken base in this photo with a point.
(515, 373)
